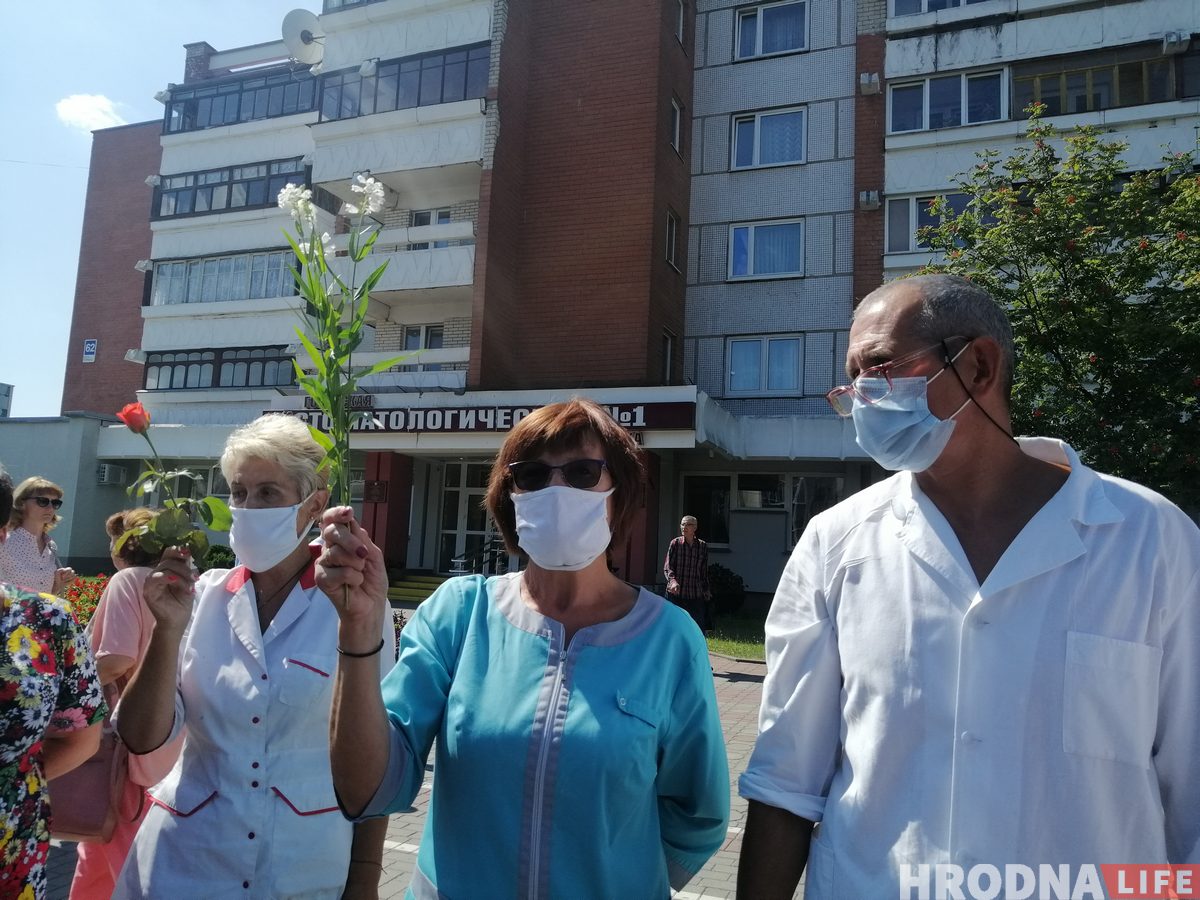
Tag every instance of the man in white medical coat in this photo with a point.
(990, 659)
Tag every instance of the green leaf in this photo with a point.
(196, 542)
(131, 533)
(321, 437)
(171, 525)
(313, 353)
(384, 365)
(215, 513)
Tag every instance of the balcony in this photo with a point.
(443, 275)
(426, 154)
(430, 378)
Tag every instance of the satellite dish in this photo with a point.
(303, 36)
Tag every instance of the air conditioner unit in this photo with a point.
(107, 473)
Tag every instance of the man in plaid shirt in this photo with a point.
(686, 568)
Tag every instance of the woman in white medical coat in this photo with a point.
(245, 658)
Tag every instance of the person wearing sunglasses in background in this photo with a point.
(579, 749)
(990, 658)
(28, 557)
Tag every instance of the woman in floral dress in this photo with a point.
(50, 714)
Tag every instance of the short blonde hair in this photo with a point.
(35, 485)
(283, 440)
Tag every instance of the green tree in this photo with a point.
(1100, 272)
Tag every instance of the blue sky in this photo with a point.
(65, 69)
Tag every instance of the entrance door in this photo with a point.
(465, 526)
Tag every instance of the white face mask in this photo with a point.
(262, 538)
(563, 528)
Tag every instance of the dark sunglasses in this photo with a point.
(43, 502)
(533, 474)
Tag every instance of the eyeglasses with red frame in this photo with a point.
(875, 384)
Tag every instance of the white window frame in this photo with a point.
(672, 242)
(964, 79)
(668, 348)
(276, 265)
(422, 330)
(757, 118)
(954, 4)
(914, 202)
(680, 21)
(676, 126)
(757, 10)
(756, 276)
(434, 215)
(763, 389)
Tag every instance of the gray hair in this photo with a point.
(283, 440)
(952, 305)
(689, 520)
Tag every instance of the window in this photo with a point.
(245, 100)
(426, 80)
(247, 367)
(811, 495)
(947, 101)
(257, 367)
(672, 252)
(767, 249)
(668, 358)
(906, 215)
(756, 491)
(217, 190)
(676, 126)
(707, 498)
(1088, 82)
(766, 365)
(422, 217)
(246, 276)
(680, 19)
(423, 337)
(768, 139)
(772, 28)
(912, 7)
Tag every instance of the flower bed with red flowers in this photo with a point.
(83, 594)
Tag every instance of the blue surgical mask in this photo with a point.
(899, 432)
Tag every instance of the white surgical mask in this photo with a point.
(899, 432)
(262, 538)
(563, 528)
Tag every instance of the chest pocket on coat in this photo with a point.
(637, 734)
(307, 679)
(1110, 698)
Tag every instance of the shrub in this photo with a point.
(218, 557)
(728, 589)
(83, 594)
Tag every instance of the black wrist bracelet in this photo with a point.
(361, 655)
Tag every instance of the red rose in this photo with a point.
(1181, 235)
(1143, 244)
(135, 417)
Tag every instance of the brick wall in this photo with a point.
(108, 290)
(870, 120)
(571, 287)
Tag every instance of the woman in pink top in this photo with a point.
(119, 633)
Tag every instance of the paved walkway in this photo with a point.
(738, 688)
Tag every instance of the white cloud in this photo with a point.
(87, 112)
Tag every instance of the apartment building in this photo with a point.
(770, 275)
(959, 74)
(537, 200)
